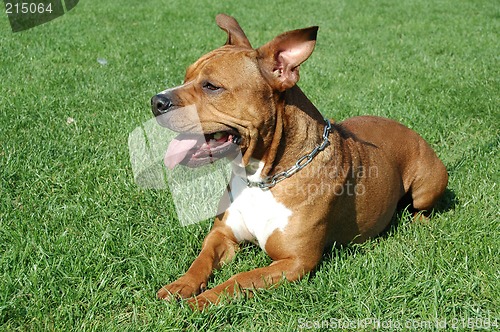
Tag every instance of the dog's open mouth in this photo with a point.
(194, 150)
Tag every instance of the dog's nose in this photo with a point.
(160, 104)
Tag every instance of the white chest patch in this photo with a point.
(255, 214)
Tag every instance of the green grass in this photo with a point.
(83, 249)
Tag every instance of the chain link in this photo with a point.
(303, 161)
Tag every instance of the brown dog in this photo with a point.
(310, 183)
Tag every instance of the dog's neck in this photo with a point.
(299, 128)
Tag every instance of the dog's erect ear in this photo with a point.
(281, 57)
(235, 35)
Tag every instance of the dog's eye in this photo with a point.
(210, 86)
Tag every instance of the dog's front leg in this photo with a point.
(289, 269)
(218, 247)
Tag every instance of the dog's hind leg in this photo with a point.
(430, 181)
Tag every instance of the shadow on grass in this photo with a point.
(447, 202)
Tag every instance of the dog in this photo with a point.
(310, 183)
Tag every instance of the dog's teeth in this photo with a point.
(218, 136)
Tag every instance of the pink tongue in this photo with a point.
(179, 148)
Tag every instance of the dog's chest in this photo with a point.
(255, 214)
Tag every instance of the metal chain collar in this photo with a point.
(303, 161)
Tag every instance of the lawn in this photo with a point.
(83, 248)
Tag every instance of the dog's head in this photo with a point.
(230, 96)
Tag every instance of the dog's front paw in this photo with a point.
(182, 288)
(202, 301)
